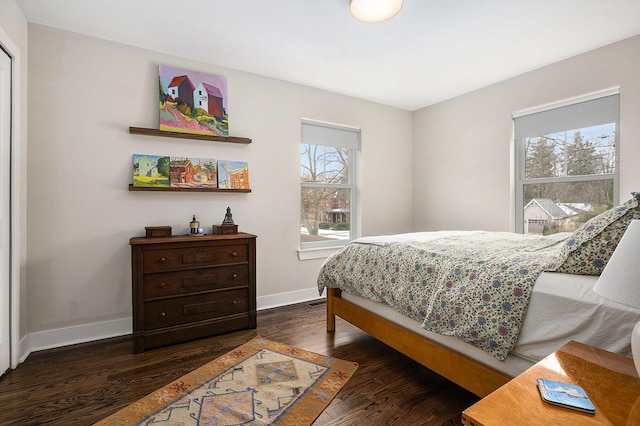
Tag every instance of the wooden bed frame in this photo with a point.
(455, 366)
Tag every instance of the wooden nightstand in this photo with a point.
(610, 380)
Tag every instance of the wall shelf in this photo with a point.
(166, 134)
(170, 189)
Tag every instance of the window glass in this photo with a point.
(566, 177)
(327, 195)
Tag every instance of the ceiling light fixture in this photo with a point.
(373, 11)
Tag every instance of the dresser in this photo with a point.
(188, 287)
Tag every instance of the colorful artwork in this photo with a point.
(193, 102)
(175, 172)
(151, 170)
(233, 174)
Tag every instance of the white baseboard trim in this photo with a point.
(48, 339)
(289, 298)
(56, 338)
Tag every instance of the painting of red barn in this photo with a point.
(193, 172)
(193, 102)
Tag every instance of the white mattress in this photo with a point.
(563, 307)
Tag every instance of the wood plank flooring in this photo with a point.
(81, 384)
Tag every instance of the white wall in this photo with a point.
(84, 93)
(463, 150)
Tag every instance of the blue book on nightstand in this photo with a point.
(565, 395)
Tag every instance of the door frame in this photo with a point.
(16, 352)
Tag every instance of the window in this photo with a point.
(566, 162)
(329, 208)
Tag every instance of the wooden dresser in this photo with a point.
(188, 287)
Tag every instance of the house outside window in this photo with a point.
(328, 175)
(566, 162)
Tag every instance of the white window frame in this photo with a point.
(519, 151)
(325, 132)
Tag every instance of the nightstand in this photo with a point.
(610, 380)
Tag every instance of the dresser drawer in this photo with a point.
(165, 284)
(162, 260)
(169, 312)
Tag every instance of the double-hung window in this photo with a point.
(566, 162)
(329, 213)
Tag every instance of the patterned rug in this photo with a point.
(259, 383)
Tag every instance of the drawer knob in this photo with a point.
(200, 250)
(163, 284)
(163, 259)
(234, 254)
(162, 314)
(235, 302)
(200, 299)
(235, 276)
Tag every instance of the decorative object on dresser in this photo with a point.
(158, 231)
(228, 226)
(620, 280)
(187, 287)
(194, 227)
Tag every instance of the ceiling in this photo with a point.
(431, 51)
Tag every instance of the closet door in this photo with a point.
(5, 197)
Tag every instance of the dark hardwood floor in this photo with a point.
(81, 384)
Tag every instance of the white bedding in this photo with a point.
(578, 314)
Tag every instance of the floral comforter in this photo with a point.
(472, 285)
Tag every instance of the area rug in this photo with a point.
(259, 383)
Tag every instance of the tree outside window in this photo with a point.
(566, 162)
(568, 178)
(326, 191)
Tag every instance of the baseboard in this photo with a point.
(289, 298)
(56, 338)
(48, 339)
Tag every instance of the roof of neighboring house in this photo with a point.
(212, 90)
(548, 206)
(575, 208)
(177, 81)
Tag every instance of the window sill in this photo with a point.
(317, 253)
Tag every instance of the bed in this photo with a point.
(481, 307)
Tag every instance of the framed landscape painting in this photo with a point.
(193, 102)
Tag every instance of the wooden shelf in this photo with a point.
(160, 188)
(166, 134)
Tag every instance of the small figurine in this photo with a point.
(228, 218)
(194, 225)
(227, 226)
